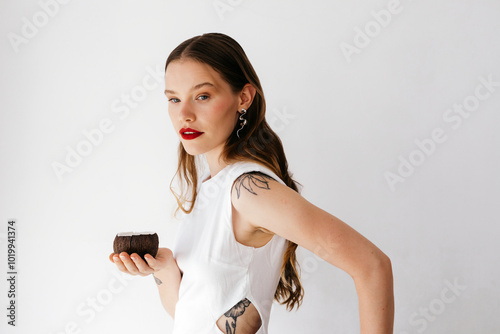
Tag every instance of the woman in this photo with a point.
(243, 216)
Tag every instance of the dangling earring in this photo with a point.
(244, 121)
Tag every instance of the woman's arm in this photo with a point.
(269, 205)
(164, 269)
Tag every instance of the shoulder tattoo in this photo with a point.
(250, 181)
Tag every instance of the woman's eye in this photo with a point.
(203, 97)
(174, 100)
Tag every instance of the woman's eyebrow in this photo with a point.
(195, 87)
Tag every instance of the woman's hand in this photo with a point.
(134, 265)
(164, 267)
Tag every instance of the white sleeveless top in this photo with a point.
(218, 271)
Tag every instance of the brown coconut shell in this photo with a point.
(132, 242)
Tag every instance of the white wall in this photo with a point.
(345, 120)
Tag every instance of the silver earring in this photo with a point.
(243, 121)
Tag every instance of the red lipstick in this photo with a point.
(188, 133)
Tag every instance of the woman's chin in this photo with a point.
(193, 150)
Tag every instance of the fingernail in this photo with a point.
(116, 258)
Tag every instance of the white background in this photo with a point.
(345, 122)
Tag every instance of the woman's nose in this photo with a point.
(186, 113)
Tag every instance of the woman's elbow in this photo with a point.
(385, 263)
(378, 267)
(387, 268)
(382, 265)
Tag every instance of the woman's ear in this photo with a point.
(246, 96)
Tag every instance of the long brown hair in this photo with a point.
(258, 142)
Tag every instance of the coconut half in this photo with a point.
(141, 243)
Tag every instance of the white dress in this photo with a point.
(218, 271)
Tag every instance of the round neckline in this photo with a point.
(223, 170)
(216, 175)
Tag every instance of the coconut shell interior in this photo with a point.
(140, 243)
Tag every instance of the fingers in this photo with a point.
(135, 265)
(131, 264)
(119, 263)
(143, 268)
(151, 261)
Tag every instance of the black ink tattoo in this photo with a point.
(157, 280)
(234, 313)
(250, 180)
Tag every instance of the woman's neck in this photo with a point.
(215, 163)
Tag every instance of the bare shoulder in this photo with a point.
(253, 183)
(258, 197)
(258, 188)
(249, 194)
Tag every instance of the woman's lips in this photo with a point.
(188, 133)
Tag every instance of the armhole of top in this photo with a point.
(265, 171)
